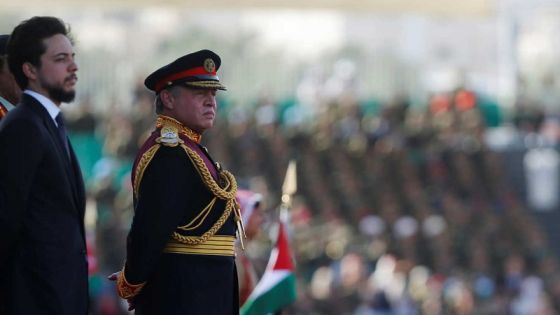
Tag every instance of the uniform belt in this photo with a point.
(217, 245)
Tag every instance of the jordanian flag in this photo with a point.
(277, 287)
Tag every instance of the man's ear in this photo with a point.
(29, 70)
(167, 99)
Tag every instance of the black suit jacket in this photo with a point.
(43, 267)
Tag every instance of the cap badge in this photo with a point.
(209, 65)
(169, 136)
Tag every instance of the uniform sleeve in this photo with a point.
(162, 201)
(21, 151)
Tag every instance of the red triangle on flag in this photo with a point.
(283, 259)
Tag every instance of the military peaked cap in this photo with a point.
(196, 70)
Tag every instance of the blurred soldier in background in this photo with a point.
(9, 90)
(250, 204)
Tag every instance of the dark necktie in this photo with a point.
(62, 133)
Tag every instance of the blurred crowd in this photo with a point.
(400, 209)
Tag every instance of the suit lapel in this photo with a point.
(79, 181)
(75, 183)
(79, 196)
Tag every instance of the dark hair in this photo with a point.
(26, 43)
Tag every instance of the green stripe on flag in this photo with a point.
(281, 294)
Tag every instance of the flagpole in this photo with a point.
(277, 287)
(289, 188)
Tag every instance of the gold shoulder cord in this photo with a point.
(227, 193)
(142, 164)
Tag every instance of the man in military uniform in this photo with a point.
(9, 90)
(180, 248)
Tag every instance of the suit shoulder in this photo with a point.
(21, 127)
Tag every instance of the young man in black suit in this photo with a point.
(42, 242)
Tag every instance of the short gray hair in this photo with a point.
(159, 104)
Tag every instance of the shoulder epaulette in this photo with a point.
(169, 136)
(143, 162)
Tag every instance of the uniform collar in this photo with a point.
(184, 130)
(9, 106)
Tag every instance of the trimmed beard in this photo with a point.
(57, 94)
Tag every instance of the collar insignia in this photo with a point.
(169, 136)
(175, 129)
